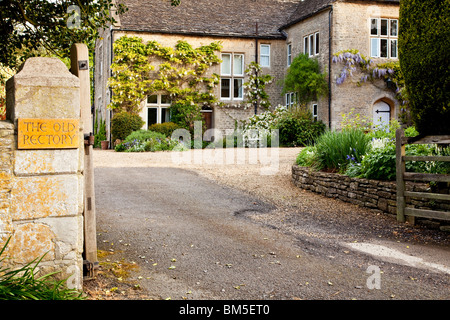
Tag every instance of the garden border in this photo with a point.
(376, 195)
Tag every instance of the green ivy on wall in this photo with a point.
(140, 69)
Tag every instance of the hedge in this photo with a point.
(124, 123)
(424, 42)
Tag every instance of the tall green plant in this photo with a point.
(101, 134)
(305, 78)
(336, 150)
(23, 284)
(424, 39)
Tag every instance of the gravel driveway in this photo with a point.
(288, 243)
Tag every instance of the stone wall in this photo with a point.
(373, 194)
(6, 176)
(41, 190)
(351, 30)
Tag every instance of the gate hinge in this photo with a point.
(89, 139)
(90, 269)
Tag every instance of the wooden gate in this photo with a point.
(408, 213)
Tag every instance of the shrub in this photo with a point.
(261, 126)
(185, 115)
(299, 132)
(124, 123)
(267, 120)
(143, 135)
(166, 128)
(380, 163)
(145, 140)
(166, 144)
(120, 148)
(424, 60)
(335, 150)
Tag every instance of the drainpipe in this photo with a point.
(93, 88)
(256, 60)
(111, 40)
(329, 64)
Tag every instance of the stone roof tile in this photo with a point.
(209, 17)
(236, 18)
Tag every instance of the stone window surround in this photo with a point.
(290, 99)
(289, 54)
(234, 77)
(389, 36)
(311, 44)
(265, 55)
(315, 111)
(159, 105)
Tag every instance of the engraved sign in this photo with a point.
(48, 133)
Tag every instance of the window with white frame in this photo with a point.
(157, 109)
(315, 112)
(291, 99)
(289, 54)
(311, 44)
(265, 55)
(383, 38)
(232, 76)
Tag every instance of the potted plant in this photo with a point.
(105, 144)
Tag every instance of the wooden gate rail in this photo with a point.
(407, 213)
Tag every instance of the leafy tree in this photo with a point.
(29, 27)
(304, 78)
(34, 27)
(424, 39)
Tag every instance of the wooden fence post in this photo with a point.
(400, 168)
(79, 55)
(410, 213)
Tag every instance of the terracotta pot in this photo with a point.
(105, 144)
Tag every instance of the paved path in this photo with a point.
(195, 239)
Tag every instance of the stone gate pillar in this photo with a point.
(46, 183)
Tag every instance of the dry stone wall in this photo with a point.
(373, 194)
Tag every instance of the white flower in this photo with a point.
(379, 143)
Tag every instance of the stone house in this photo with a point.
(271, 33)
